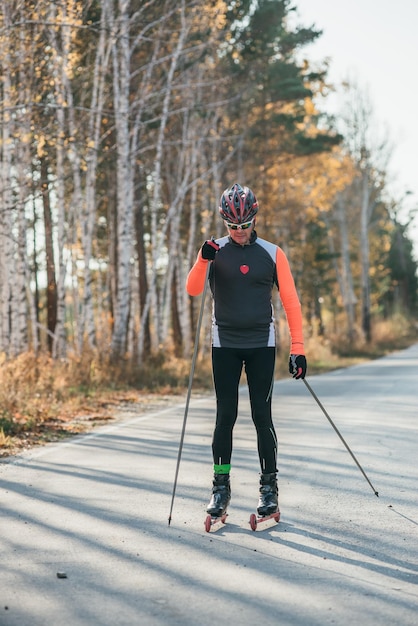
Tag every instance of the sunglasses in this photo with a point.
(243, 226)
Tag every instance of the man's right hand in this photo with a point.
(209, 250)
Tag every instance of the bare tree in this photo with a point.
(370, 151)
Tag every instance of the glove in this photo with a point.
(297, 365)
(209, 249)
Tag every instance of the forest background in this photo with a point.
(121, 122)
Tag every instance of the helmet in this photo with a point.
(238, 204)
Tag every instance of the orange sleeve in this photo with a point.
(291, 302)
(196, 278)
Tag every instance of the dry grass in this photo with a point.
(43, 400)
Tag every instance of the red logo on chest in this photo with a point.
(244, 269)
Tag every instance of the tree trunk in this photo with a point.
(6, 197)
(348, 295)
(121, 85)
(142, 275)
(51, 288)
(365, 262)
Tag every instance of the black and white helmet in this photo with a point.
(238, 204)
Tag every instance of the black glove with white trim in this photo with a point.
(209, 249)
(297, 365)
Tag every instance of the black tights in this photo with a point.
(227, 364)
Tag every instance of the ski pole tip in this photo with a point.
(376, 493)
(169, 520)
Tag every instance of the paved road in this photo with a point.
(96, 509)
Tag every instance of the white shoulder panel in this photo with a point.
(269, 247)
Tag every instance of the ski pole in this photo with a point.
(339, 434)
(189, 389)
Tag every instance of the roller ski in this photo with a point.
(216, 510)
(268, 513)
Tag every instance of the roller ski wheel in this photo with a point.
(264, 522)
(212, 524)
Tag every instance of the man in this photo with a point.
(243, 272)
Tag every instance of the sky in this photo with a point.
(375, 42)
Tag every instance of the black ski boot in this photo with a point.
(221, 495)
(268, 502)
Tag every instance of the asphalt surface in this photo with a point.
(84, 532)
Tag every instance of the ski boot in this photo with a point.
(268, 513)
(221, 496)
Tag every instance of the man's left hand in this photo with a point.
(297, 365)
